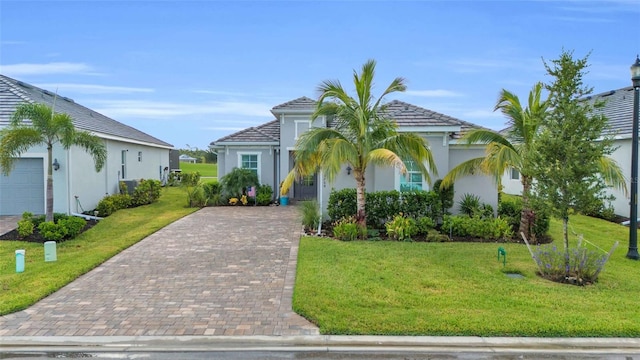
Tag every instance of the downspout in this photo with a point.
(276, 174)
(67, 172)
(320, 203)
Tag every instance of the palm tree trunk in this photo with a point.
(49, 210)
(525, 214)
(361, 217)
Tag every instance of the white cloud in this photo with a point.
(156, 109)
(433, 93)
(95, 89)
(49, 68)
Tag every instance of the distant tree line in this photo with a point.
(202, 156)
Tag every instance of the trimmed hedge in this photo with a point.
(382, 206)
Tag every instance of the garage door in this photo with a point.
(23, 189)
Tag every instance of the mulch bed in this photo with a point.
(36, 237)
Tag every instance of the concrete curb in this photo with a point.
(329, 343)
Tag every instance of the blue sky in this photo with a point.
(190, 72)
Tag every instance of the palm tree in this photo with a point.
(361, 135)
(512, 150)
(37, 124)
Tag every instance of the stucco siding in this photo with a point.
(231, 159)
(480, 185)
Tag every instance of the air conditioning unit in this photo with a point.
(131, 185)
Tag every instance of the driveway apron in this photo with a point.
(219, 271)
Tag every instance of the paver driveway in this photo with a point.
(219, 271)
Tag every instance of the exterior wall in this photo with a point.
(91, 186)
(622, 155)
(290, 127)
(228, 159)
(480, 185)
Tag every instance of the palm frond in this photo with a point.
(92, 145)
(612, 174)
(466, 168)
(14, 141)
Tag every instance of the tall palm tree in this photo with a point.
(512, 150)
(37, 124)
(361, 135)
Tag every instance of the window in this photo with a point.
(412, 181)
(515, 174)
(250, 161)
(302, 126)
(139, 156)
(123, 164)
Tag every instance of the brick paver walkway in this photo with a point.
(219, 271)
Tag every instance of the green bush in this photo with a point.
(382, 206)
(401, 228)
(212, 192)
(73, 226)
(310, 214)
(470, 205)
(511, 209)
(477, 227)
(52, 231)
(435, 236)
(424, 224)
(346, 229)
(147, 192)
(25, 225)
(444, 198)
(237, 180)
(112, 203)
(264, 195)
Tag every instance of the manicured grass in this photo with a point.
(396, 288)
(205, 170)
(76, 257)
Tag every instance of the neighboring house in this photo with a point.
(187, 158)
(131, 154)
(268, 150)
(619, 111)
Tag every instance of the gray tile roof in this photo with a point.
(618, 109)
(265, 133)
(14, 92)
(302, 103)
(404, 114)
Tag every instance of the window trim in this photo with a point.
(123, 163)
(296, 131)
(511, 173)
(259, 156)
(399, 176)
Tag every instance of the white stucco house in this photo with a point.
(131, 154)
(619, 111)
(268, 148)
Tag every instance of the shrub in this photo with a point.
(401, 228)
(310, 214)
(212, 193)
(112, 203)
(584, 264)
(234, 183)
(382, 206)
(346, 229)
(147, 192)
(73, 226)
(264, 194)
(477, 227)
(52, 231)
(435, 236)
(25, 225)
(197, 197)
(424, 224)
(444, 198)
(469, 204)
(511, 209)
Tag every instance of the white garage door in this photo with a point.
(23, 189)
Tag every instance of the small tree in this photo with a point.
(572, 167)
(235, 182)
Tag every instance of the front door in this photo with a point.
(306, 188)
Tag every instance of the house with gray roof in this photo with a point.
(268, 150)
(131, 154)
(618, 109)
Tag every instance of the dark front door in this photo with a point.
(306, 188)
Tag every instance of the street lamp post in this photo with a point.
(633, 225)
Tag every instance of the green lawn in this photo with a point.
(76, 257)
(205, 170)
(395, 288)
